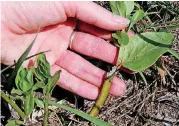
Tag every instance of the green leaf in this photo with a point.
(39, 103)
(14, 122)
(144, 49)
(118, 8)
(94, 120)
(42, 71)
(129, 7)
(38, 85)
(115, 35)
(16, 92)
(29, 104)
(173, 53)
(139, 14)
(123, 38)
(52, 81)
(25, 59)
(21, 60)
(24, 79)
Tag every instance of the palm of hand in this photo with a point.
(78, 75)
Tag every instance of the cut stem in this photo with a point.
(103, 95)
(11, 102)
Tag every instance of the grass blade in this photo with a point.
(94, 120)
(25, 59)
(21, 60)
(143, 77)
(173, 53)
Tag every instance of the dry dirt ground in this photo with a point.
(153, 104)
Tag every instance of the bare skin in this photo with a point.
(20, 21)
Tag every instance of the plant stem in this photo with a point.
(11, 102)
(103, 95)
(46, 108)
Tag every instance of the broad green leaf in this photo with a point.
(144, 49)
(118, 8)
(114, 7)
(38, 85)
(30, 103)
(173, 53)
(39, 103)
(24, 79)
(94, 120)
(123, 38)
(129, 7)
(42, 71)
(139, 14)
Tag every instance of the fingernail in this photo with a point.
(121, 20)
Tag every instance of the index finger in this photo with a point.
(92, 13)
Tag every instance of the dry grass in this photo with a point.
(155, 103)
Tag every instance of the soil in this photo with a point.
(154, 103)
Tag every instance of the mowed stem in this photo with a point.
(103, 95)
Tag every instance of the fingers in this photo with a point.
(84, 70)
(80, 87)
(26, 16)
(92, 13)
(75, 85)
(98, 32)
(95, 47)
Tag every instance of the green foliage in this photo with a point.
(118, 8)
(122, 8)
(52, 81)
(14, 122)
(139, 14)
(29, 104)
(144, 49)
(122, 38)
(39, 103)
(42, 71)
(129, 7)
(94, 120)
(20, 61)
(24, 80)
(173, 53)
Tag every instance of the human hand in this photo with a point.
(20, 21)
